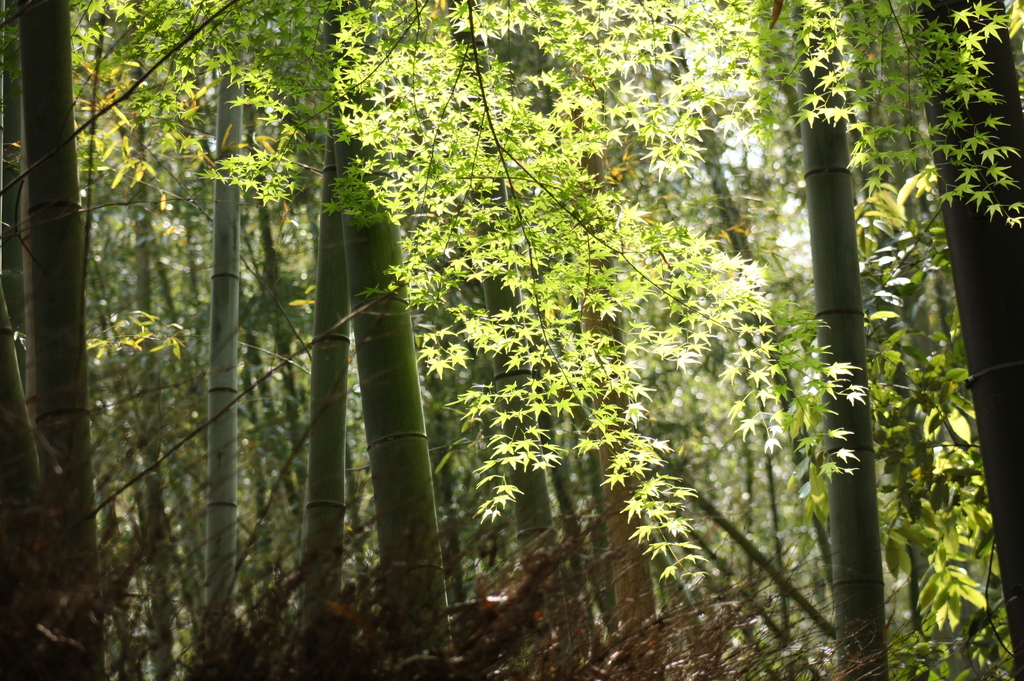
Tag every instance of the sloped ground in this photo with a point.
(539, 618)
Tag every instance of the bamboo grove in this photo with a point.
(437, 339)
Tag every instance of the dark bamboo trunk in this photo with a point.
(155, 525)
(19, 466)
(56, 243)
(987, 256)
(10, 240)
(858, 585)
(395, 431)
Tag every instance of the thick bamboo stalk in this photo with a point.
(858, 587)
(403, 491)
(396, 438)
(19, 465)
(986, 253)
(55, 239)
(222, 445)
(324, 519)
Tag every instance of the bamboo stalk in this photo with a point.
(986, 252)
(324, 518)
(222, 434)
(410, 550)
(858, 586)
(19, 465)
(55, 239)
(11, 254)
(154, 520)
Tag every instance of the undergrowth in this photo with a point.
(538, 615)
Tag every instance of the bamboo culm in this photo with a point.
(857, 587)
(324, 517)
(55, 240)
(11, 255)
(400, 472)
(986, 252)
(403, 492)
(19, 465)
(155, 525)
(222, 434)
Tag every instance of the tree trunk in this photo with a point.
(634, 592)
(858, 587)
(222, 435)
(393, 417)
(324, 521)
(56, 242)
(986, 255)
(282, 330)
